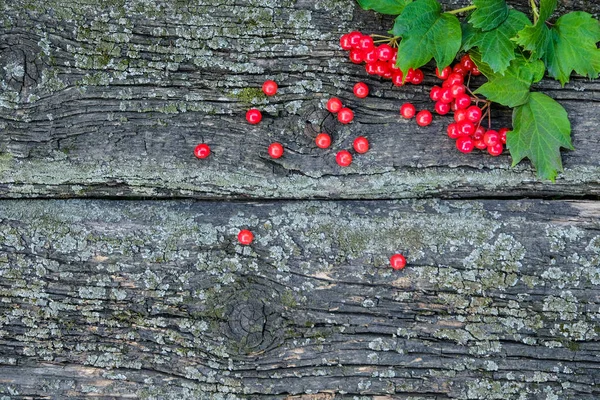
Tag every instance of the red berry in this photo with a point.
(269, 88)
(459, 69)
(474, 114)
(460, 115)
(417, 77)
(466, 128)
(253, 116)
(356, 56)
(435, 93)
(370, 68)
(387, 74)
(345, 115)
(397, 78)
(455, 79)
(354, 37)
(345, 42)
(408, 110)
(467, 63)
(453, 132)
(491, 138)
(424, 118)
(245, 237)
(446, 95)
(394, 57)
(502, 133)
(496, 149)
(334, 105)
(275, 150)
(442, 108)
(462, 101)
(381, 68)
(361, 90)
(444, 74)
(393, 66)
(479, 144)
(365, 43)
(410, 75)
(458, 89)
(384, 52)
(369, 56)
(202, 151)
(479, 132)
(343, 158)
(475, 71)
(465, 144)
(398, 262)
(323, 140)
(361, 145)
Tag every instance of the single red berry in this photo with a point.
(370, 68)
(392, 65)
(467, 63)
(410, 75)
(202, 151)
(435, 93)
(491, 138)
(479, 132)
(442, 108)
(323, 140)
(394, 57)
(502, 133)
(474, 114)
(361, 90)
(453, 132)
(455, 79)
(462, 101)
(343, 158)
(444, 74)
(479, 144)
(275, 150)
(345, 115)
(465, 144)
(496, 149)
(475, 71)
(269, 88)
(253, 116)
(388, 73)
(384, 52)
(424, 118)
(361, 145)
(365, 43)
(369, 56)
(459, 69)
(245, 237)
(356, 56)
(345, 42)
(354, 37)
(334, 105)
(381, 68)
(446, 95)
(408, 110)
(398, 262)
(397, 77)
(457, 90)
(460, 115)
(453, 106)
(466, 128)
(417, 77)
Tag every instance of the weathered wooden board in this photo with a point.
(109, 99)
(500, 300)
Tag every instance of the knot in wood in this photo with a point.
(20, 64)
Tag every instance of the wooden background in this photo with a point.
(120, 274)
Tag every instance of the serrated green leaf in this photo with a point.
(537, 37)
(391, 7)
(512, 88)
(489, 14)
(540, 128)
(547, 8)
(426, 33)
(496, 47)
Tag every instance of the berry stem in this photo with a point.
(535, 10)
(462, 10)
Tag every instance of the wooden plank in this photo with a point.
(501, 299)
(110, 98)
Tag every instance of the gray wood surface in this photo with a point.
(500, 299)
(110, 98)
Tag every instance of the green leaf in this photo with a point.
(426, 33)
(547, 8)
(496, 47)
(489, 14)
(537, 37)
(391, 7)
(512, 88)
(541, 128)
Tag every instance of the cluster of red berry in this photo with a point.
(380, 59)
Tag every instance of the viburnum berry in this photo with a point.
(462, 101)
(442, 108)
(365, 43)
(276, 150)
(491, 138)
(361, 90)
(253, 116)
(343, 158)
(474, 114)
(354, 37)
(370, 68)
(397, 77)
(444, 73)
(407, 110)
(467, 63)
(465, 144)
(381, 68)
(345, 115)
(202, 151)
(424, 118)
(398, 262)
(345, 42)
(245, 237)
(479, 144)
(410, 75)
(334, 105)
(361, 145)
(323, 140)
(502, 133)
(458, 90)
(446, 95)
(418, 77)
(435, 93)
(453, 132)
(479, 132)
(269, 88)
(369, 56)
(496, 149)
(459, 69)
(356, 56)
(455, 79)
(384, 52)
(475, 71)
(460, 115)
(466, 128)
